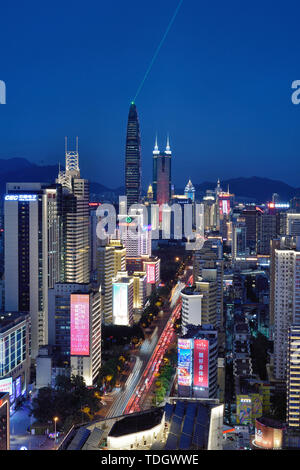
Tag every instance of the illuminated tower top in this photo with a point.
(133, 157)
(168, 148)
(72, 160)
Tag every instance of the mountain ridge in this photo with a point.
(254, 188)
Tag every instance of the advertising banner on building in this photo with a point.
(150, 273)
(224, 206)
(243, 410)
(80, 325)
(201, 354)
(6, 385)
(185, 361)
(120, 304)
(268, 437)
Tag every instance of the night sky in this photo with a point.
(221, 85)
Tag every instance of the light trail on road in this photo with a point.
(167, 337)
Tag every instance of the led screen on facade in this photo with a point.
(80, 325)
(185, 361)
(201, 351)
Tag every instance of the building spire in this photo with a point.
(168, 148)
(72, 159)
(156, 149)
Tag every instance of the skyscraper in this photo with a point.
(286, 304)
(32, 249)
(293, 376)
(162, 174)
(133, 157)
(75, 249)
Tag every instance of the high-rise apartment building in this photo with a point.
(286, 304)
(293, 378)
(133, 158)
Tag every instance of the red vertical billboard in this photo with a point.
(201, 352)
(80, 325)
(150, 273)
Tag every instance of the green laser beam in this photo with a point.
(158, 49)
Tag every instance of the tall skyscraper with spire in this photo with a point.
(75, 249)
(133, 158)
(162, 174)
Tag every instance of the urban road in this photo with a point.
(149, 357)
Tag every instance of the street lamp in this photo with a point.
(55, 420)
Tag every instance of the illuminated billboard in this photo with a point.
(18, 387)
(21, 197)
(150, 273)
(185, 361)
(6, 385)
(267, 435)
(244, 409)
(201, 353)
(257, 406)
(224, 206)
(80, 325)
(120, 304)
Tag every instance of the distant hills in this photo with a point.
(254, 188)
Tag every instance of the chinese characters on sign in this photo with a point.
(80, 333)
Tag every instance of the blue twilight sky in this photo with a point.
(221, 85)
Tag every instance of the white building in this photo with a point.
(191, 307)
(122, 286)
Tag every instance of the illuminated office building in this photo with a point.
(139, 289)
(75, 248)
(111, 260)
(133, 158)
(15, 354)
(189, 191)
(4, 422)
(198, 363)
(162, 174)
(59, 306)
(122, 286)
(135, 235)
(32, 213)
(106, 272)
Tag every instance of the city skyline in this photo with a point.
(150, 274)
(217, 92)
